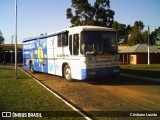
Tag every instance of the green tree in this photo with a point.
(145, 37)
(155, 36)
(104, 16)
(1, 38)
(136, 33)
(123, 31)
(135, 37)
(84, 14)
(139, 25)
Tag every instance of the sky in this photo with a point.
(46, 16)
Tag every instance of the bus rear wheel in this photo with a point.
(67, 73)
(32, 67)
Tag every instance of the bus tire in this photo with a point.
(67, 73)
(31, 67)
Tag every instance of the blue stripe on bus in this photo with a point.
(100, 72)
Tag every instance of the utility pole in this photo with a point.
(16, 39)
(12, 50)
(148, 46)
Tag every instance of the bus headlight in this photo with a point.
(91, 73)
(116, 71)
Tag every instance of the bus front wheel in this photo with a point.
(67, 73)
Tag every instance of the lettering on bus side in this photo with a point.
(29, 45)
(62, 55)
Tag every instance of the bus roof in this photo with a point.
(44, 36)
(91, 28)
(75, 29)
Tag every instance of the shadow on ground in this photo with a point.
(110, 81)
(143, 73)
(120, 80)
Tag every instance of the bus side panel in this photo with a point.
(26, 59)
(26, 63)
(51, 67)
(58, 66)
(74, 66)
(50, 53)
(41, 67)
(76, 69)
(28, 50)
(40, 61)
(58, 55)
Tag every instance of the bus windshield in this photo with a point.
(98, 42)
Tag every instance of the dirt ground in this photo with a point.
(104, 94)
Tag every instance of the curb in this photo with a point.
(139, 77)
(58, 96)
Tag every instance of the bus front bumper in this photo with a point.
(100, 72)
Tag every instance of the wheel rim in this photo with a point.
(68, 73)
(32, 68)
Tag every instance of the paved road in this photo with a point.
(103, 94)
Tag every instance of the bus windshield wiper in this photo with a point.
(90, 53)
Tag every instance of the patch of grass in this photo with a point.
(25, 94)
(145, 70)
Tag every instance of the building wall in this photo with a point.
(124, 58)
(139, 58)
(155, 58)
(142, 58)
(9, 57)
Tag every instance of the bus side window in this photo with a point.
(59, 40)
(76, 44)
(70, 44)
(65, 39)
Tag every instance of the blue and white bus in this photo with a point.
(76, 53)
